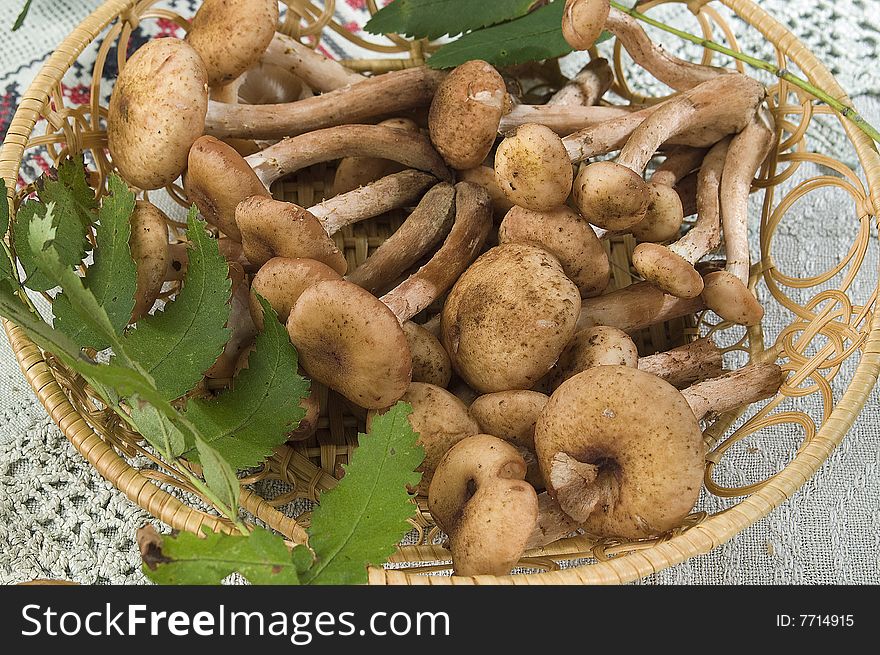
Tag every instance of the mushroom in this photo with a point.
(671, 267)
(423, 228)
(699, 117)
(430, 363)
(605, 346)
(465, 113)
(354, 172)
(565, 234)
(587, 87)
(441, 421)
(485, 177)
(281, 281)
(479, 498)
(512, 341)
(218, 178)
(353, 342)
(149, 250)
(511, 416)
(635, 307)
(726, 292)
(626, 472)
(159, 107)
(241, 327)
(268, 228)
(584, 20)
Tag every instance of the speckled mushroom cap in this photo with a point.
(600, 345)
(508, 317)
(610, 195)
(281, 282)
(667, 270)
(149, 250)
(583, 21)
(465, 113)
(273, 228)
(533, 169)
(231, 35)
(621, 451)
(570, 238)
(350, 341)
(157, 110)
(479, 498)
(727, 296)
(664, 216)
(216, 180)
(430, 362)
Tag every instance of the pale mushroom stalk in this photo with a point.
(552, 524)
(584, 20)
(389, 93)
(679, 162)
(635, 307)
(319, 72)
(671, 267)
(565, 119)
(738, 388)
(353, 172)
(726, 292)
(423, 228)
(354, 343)
(587, 87)
(218, 178)
(698, 360)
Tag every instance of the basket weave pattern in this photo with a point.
(828, 329)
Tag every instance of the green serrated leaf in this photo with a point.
(534, 37)
(155, 427)
(112, 277)
(247, 423)
(360, 521)
(6, 267)
(75, 206)
(262, 557)
(219, 475)
(177, 345)
(436, 18)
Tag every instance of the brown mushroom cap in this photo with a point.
(671, 272)
(157, 110)
(231, 35)
(511, 415)
(583, 21)
(149, 250)
(430, 363)
(611, 196)
(512, 341)
(272, 228)
(485, 177)
(464, 116)
(565, 234)
(351, 342)
(727, 296)
(533, 169)
(479, 498)
(664, 216)
(441, 421)
(281, 282)
(621, 451)
(600, 345)
(217, 178)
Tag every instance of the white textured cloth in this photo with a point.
(60, 519)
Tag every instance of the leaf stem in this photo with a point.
(844, 110)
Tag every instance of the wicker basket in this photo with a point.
(827, 330)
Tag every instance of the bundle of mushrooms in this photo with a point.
(538, 417)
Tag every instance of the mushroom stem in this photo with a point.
(317, 71)
(473, 220)
(635, 307)
(718, 107)
(741, 387)
(384, 94)
(679, 162)
(747, 151)
(552, 525)
(565, 119)
(386, 194)
(424, 227)
(587, 87)
(698, 360)
(292, 154)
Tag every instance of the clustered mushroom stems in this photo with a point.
(635, 307)
(587, 87)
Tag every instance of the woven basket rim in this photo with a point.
(698, 540)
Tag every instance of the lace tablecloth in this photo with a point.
(60, 519)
